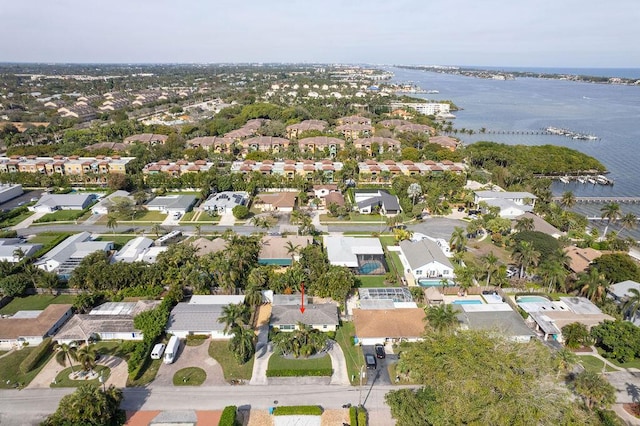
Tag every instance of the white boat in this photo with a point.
(564, 179)
(592, 180)
(581, 179)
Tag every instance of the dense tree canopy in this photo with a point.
(89, 406)
(617, 267)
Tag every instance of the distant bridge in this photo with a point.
(603, 200)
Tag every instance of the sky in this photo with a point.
(535, 33)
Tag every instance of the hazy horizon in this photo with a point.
(547, 33)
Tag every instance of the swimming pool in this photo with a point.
(423, 282)
(531, 299)
(371, 267)
(467, 302)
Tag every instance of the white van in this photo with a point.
(172, 350)
(157, 351)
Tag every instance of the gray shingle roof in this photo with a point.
(315, 314)
(423, 252)
(195, 317)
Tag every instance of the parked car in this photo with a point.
(380, 351)
(371, 362)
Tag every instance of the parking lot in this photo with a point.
(21, 200)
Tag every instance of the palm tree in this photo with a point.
(565, 360)
(86, 355)
(568, 200)
(198, 229)
(261, 222)
(441, 317)
(553, 272)
(628, 221)
(66, 352)
(490, 264)
(414, 190)
(292, 249)
(458, 239)
(525, 255)
(525, 224)
(592, 285)
(241, 344)
(157, 229)
(631, 305)
(112, 222)
(594, 389)
(234, 316)
(610, 213)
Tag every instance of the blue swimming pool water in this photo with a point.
(369, 267)
(531, 299)
(467, 302)
(432, 283)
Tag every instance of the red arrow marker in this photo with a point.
(302, 306)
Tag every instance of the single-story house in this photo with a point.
(384, 298)
(334, 198)
(200, 316)
(139, 249)
(322, 191)
(511, 204)
(620, 292)
(321, 316)
(283, 251)
(364, 255)
(105, 203)
(424, 259)
(172, 203)
(495, 317)
(368, 201)
(581, 258)
(67, 255)
(224, 202)
(109, 321)
(393, 325)
(551, 316)
(280, 201)
(541, 225)
(49, 203)
(31, 327)
(205, 246)
(14, 249)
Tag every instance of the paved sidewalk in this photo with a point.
(28, 221)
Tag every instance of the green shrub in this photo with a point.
(300, 373)
(353, 416)
(228, 417)
(240, 212)
(36, 355)
(298, 410)
(362, 416)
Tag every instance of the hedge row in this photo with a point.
(36, 355)
(357, 416)
(300, 373)
(298, 410)
(362, 416)
(228, 417)
(353, 416)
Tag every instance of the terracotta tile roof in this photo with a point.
(396, 323)
(12, 328)
(581, 258)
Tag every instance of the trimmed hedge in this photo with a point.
(298, 410)
(362, 416)
(36, 355)
(228, 417)
(353, 416)
(300, 373)
(357, 416)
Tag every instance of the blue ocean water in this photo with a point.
(611, 112)
(593, 72)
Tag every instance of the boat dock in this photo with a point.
(603, 200)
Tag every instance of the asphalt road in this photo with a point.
(30, 406)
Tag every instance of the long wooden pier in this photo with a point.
(603, 200)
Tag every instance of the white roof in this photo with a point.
(343, 251)
(621, 289)
(133, 249)
(216, 300)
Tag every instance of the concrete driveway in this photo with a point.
(118, 376)
(627, 384)
(191, 356)
(339, 364)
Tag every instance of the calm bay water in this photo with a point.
(611, 112)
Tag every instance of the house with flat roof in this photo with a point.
(106, 203)
(31, 327)
(362, 255)
(621, 292)
(109, 321)
(13, 250)
(369, 201)
(424, 259)
(282, 250)
(172, 203)
(67, 255)
(511, 204)
(224, 202)
(321, 316)
(389, 325)
(200, 316)
(49, 203)
(498, 318)
(139, 249)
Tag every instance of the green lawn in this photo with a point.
(372, 281)
(352, 353)
(118, 240)
(219, 350)
(277, 362)
(188, 216)
(15, 220)
(48, 240)
(150, 370)
(190, 376)
(591, 363)
(61, 216)
(63, 380)
(10, 368)
(395, 263)
(630, 364)
(35, 303)
(388, 240)
(151, 216)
